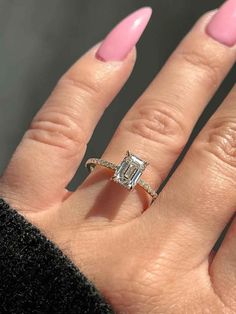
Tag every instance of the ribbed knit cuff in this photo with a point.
(36, 277)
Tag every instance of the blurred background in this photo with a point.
(39, 40)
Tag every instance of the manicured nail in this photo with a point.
(121, 40)
(222, 26)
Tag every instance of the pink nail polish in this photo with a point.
(222, 26)
(121, 40)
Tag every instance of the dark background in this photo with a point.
(39, 40)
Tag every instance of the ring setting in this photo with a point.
(127, 173)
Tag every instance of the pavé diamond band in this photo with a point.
(127, 173)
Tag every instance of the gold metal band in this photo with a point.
(93, 162)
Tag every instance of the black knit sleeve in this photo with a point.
(36, 277)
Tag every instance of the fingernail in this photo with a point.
(121, 40)
(222, 26)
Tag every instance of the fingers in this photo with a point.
(52, 148)
(200, 198)
(158, 125)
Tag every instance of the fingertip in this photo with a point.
(132, 56)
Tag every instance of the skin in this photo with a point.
(144, 259)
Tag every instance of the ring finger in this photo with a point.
(157, 127)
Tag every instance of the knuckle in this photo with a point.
(158, 122)
(57, 129)
(220, 140)
(83, 85)
(209, 67)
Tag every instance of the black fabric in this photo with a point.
(36, 277)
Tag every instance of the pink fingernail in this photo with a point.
(222, 26)
(121, 40)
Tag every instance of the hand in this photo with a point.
(144, 259)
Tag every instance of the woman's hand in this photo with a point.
(144, 259)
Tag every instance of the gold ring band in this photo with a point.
(127, 173)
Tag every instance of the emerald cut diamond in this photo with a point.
(129, 171)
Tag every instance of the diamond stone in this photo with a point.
(129, 171)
